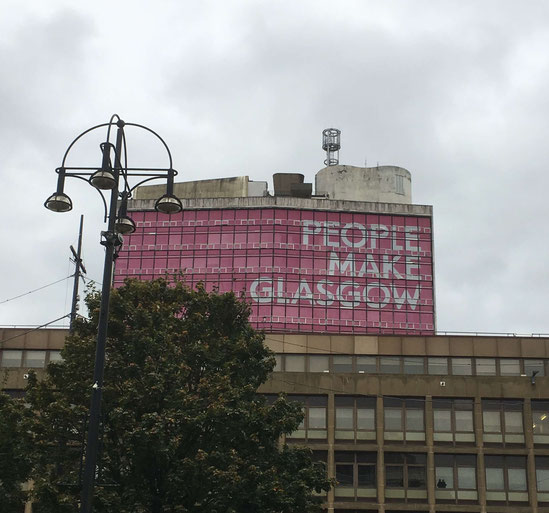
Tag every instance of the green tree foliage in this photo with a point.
(14, 454)
(184, 429)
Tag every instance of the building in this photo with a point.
(342, 282)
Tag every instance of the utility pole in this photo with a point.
(78, 267)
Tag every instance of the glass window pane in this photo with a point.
(492, 421)
(513, 421)
(467, 478)
(319, 363)
(394, 476)
(437, 365)
(343, 363)
(414, 420)
(541, 422)
(389, 364)
(442, 420)
(393, 419)
(509, 367)
(367, 476)
(517, 479)
(11, 358)
(317, 418)
(295, 363)
(462, 367)
(444, 477)
(416, 477)
(533, 365)
(486, 366)
(494, 478)
(344, 475)
(36, 359)
(277, 367)
(365, 419)
(542, 478)
(413, 365)
(55, 356)
(344, 418)
(464, 421)
(366, 364)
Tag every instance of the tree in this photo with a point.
(183, 427)
(14, 454)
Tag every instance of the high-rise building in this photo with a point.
(342, 282)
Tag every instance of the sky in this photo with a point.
(455, 91)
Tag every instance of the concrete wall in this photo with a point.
(236, 187)
(390, 184)
(292, 202)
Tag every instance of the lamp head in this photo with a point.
(58, 202)
(103, 179)
(124, 225)
(168, 204)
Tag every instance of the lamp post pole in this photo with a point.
(109, 240)
(118, 223)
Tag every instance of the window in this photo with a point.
(35, 359)
(486, 366)
(509, 367)
(405, 476)
(506, 478)
(277, 367)
(438, 366)
(55, 356)
(414, 365)
(456, 477)
(319, 363)
(531, 366)
(462, 367)
(389, 364)
(366, 364)
(313, 426)
(342, 363)
(11, 358)
(542, 478)
(540, 424)
(404, 419)
(453, 420)
(502, 420)
(399, 184)
(355, 475)
(294, 363)
(355, 418)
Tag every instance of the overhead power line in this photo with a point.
(34, 329)
(36, 290)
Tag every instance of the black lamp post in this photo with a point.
(107, 177)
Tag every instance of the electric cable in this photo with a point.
(36, 290)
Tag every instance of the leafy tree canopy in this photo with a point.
(14, 453)
(184, 429)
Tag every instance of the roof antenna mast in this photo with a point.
(331, 145)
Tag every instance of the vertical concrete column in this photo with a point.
(481, 472)
(380, 457)
(430, 453)
(330, 419)
(531, 459)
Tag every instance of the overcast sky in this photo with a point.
(457, 92)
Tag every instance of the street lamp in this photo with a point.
(107, 177)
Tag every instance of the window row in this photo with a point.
(404, 420)
(434, 365)
(30, 358)
(455, 477)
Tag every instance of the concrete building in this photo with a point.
(342, 282)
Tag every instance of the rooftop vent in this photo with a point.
(291, 184)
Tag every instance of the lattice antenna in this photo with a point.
(331, 145)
